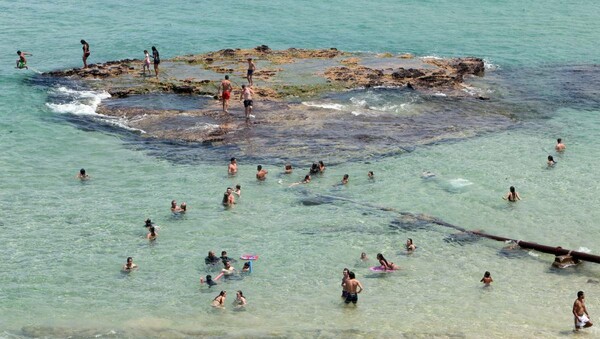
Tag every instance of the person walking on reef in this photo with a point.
(225, 89)
(251, 69)
(582, 318)
(246, 95)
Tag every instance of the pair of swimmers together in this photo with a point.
(219, 301)
(178, 209)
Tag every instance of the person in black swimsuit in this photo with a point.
(156, 58)
(512, 195)
(86, 52)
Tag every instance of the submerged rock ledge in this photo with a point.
(285, 126)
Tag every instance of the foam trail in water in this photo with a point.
(337, 107)
(85, 103)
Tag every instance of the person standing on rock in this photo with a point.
(156, 58)
(246, 95)
(225, 88)
(86, 52)
(251, 69)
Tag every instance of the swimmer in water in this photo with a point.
(385, 264)
(232, 168)
(219, 301)
(288, 169)
(240, 300)
(129, 266)
(321, 166)
(559, 145)
(152, 235)
(22, 61)
(487, 279)
(261, 174)
(512, 195)
(211, 258)
(582, 317)
(238, 190)
(345, 279)
(345, 179)
(174, 207)
(363, 256)
(228, 198)
(224, 258)
(183, 207)
(371, 175)
(410, 246)
(551, 161)
(246, 267)
(82, 175)
(208, 281)
(148, 223)
(305, 181)
(314, 168)
(354, 287)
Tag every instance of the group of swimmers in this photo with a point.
(513, 195)
(227, 271)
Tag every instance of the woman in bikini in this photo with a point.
(219, 301)
(240, 300)
(512, 195)
(86, 52)
(385, 264)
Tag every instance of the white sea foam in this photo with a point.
(202, 127)
(439, 94)
(358, 102)
(337, 107)
(459, 182)
(584, 250)
(82, 102)
(489, 65)
(432, 57)
(85, 103)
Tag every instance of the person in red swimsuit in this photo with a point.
(225, 89)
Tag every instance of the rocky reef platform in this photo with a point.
(306, 101)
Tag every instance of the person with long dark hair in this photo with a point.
(86, 52)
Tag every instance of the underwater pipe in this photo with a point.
(523, 244)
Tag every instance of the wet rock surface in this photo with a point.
(306, 102)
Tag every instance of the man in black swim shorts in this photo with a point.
(251, 68)
(246, 95)
(353, 287)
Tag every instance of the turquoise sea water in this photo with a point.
(63, 241)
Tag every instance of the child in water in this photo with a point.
(487, 279)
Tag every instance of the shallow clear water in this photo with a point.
(63, 241)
